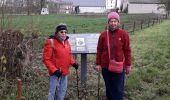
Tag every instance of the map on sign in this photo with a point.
(83, 43)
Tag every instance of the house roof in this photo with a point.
(145, 1)
(88, 3)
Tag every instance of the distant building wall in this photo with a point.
(66, 8)
(110, 4)
(144, 8)
(92, 9)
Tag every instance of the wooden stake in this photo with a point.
(19, 89)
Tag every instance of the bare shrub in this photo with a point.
(15, 53)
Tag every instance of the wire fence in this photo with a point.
(144, 23)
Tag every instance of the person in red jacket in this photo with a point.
(57, 58)
(120, 51)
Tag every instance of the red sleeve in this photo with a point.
(99, 50)
(127, 50)
(72, 59)
(47, 56)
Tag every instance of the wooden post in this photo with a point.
(123, 26)
(74, 31)
(166, 16)
(134, 25)
(148, 22)
(19, 88)
(141, 24)
(157, 19)
(153, 22)
(160, 19)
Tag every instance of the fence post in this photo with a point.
(149, 22)
(157, 19)
(123, 26)
(19, 88)
(161, 18)
(134, 25)
(141, 24)
(166, 16)
(74, 31)
(153, 22)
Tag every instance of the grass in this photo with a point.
(151, 57)
(45, 25)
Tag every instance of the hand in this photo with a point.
(98, 68)
(127, 70)
(58, 73)
(76, 65)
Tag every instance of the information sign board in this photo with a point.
(84, 43)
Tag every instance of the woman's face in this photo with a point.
(113, 23)
(62, 34)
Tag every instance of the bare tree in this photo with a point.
(166, 4)
(42, 2)
(28, 6)
(115, 3)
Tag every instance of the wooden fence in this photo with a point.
(133, 26)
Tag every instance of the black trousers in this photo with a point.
(114, 84)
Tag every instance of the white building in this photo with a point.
(111, 4)
(143, 6)
(131, 6)
(90, 6)
(92, 9)
(96, 6)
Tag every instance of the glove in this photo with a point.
(128, 69)
(58, 73)
(76, 65)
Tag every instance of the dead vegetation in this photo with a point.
(16, 53)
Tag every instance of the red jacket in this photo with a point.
(119, 48)
(59, 57)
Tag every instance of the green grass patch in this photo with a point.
(45, 24)
(151, 58)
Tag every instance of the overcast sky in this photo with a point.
(88, 2)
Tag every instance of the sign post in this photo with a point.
(84, 44)
(83, 69)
